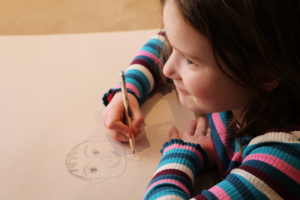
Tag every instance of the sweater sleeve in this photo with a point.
(270, 169)
(177, 171)
(144, 73)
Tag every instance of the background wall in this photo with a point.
(32, 17)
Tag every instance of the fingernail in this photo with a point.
(128, 135)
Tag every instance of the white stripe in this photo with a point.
(259, 184)
(177, 166)
(296, 134)
(274, 137)
(170, 197)
(145, 71)
(159, 37)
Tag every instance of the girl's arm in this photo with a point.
(144, 73)
(270, 169)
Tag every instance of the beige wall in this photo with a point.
(31, 17)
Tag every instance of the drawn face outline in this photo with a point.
(100, 159)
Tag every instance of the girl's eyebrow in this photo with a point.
(184, 55)
(187, 56)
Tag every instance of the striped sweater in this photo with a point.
(268, 169)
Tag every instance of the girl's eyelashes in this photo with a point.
(190, 62)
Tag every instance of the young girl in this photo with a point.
(238, 62)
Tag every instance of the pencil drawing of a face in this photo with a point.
(95, 160)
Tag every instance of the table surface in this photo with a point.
(35, 17)
(57, 60)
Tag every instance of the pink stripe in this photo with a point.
(132, 87)
(179, 146)
(277, 163)
(219, 192)
(156, 60)
(222, 133)
(169, 181)
(237, 157)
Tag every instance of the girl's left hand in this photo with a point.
(196, 132)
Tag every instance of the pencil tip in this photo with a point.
(133, 152)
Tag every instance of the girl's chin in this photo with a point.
(192, 105)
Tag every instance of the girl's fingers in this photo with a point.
(137, 122)
(118, 127)
(208, 131)
(201, 127)
(173, 133)
(190, 128)
(118, 136)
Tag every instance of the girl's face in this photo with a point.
(202, 87)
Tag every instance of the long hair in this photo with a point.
(250, 37)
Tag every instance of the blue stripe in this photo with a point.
(230, 190)
(183, 157)
(233, 164)
(142, 82)
(240, 186)
(256, 192)
(209, 195)
(136, 84)
(151, 50)
(157, 42)
(173, 177)
(281, 177)
(155, 50)
(164, 189)
(182, 161)
(142, 76)
(283, 151)
(226, 117)
(220, 148)
(183, 153)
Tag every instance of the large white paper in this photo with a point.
(52, 134)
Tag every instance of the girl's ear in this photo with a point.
(268, 82)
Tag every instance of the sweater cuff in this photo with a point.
(107, 97)
(187, 149)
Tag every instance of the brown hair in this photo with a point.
(252, 36)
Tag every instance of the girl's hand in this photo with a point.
(114, 116)
(196, 132)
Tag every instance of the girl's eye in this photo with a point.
(190, 62)
(94, 169)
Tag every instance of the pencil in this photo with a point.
(127, 110)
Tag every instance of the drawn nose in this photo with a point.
(106, 159)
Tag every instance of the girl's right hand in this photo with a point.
(114, 117)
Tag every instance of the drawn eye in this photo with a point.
(96, 152)
(94, 170)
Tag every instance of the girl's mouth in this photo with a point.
(181, 90)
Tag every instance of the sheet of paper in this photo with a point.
(53, 142)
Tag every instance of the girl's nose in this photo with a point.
(170, 68)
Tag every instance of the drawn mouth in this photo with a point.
(118, 159)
